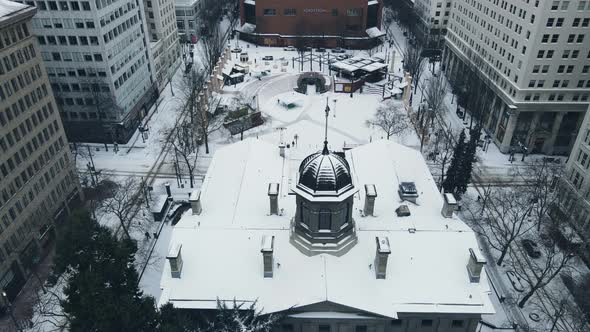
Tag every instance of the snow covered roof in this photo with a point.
(247, 28)
(11, 9)
(426, 271)
(374, 32)
(358, 63)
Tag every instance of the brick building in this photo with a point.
(325, 23)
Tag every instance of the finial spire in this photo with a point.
(325, 150)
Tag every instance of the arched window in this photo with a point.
(325, 220)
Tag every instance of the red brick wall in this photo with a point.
(313, 17)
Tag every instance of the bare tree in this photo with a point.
(212, 47)
(441, 151)
(414, 63)
(543, 190)
(504, 220)
(208, 119)
(189, 87)
(241, 103)
(124, 201)
(434, 94)
(559, 312)
(538, 273)
(48, 314)
(391, 117)
(182, 139)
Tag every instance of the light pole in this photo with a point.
(9, 306)
(335, 100)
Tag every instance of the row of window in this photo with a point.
(54, 199)
(13, 35)
(60, 5)
(572, 38)
(24, 103)
(569, 69)
(293, 11)
(21, 179)
(566, 54)
(71, 72)
(559, 83)
(119, 29)
(80, 87)
(564, 5)
(68, 40)
(455, 323)
(116, 13)
(583, 97)
(66, 23)
(11, 138)
(15, 59)
(68, 56)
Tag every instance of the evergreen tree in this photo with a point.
(240, 318)
(102, 292)
(466, 167)
(453, 175)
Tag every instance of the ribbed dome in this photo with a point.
(324, 173)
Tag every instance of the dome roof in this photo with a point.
(324, 173)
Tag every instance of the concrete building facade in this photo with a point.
(534, 58)
(433, 18)
(38, 180)
(163, 36)
(326, 23)
(98, 61)
(186, 20)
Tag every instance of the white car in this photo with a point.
(290, 48)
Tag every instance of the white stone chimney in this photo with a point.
(195, 201)
(273, 195)
(475, 264)
(370, 196)
(175, 260)
(383, 251)
(267, 255)
(449, 205)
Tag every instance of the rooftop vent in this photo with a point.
(195, 201)
(407, 191)
(383, 251)
(175, 260)
(273, 194)
(267, 255)
(475, 265)
(403, 211)
(449, 205)
(370, 195)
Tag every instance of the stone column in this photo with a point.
(507, 140)
(550, 143)
(530, 136)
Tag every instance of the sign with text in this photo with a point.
(315, 10)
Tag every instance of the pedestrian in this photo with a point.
(155, 235)
(147, 235)
(293, 143)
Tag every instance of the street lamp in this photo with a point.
(9, 306)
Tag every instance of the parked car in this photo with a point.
(267, 58)
(236, 50)
(342, 57)
(338, 50)
(176, 211)
(531, 248)
(290, 48)
(320, 50)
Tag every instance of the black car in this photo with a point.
(531, 248)
(320, 50)
(338, 50)
(268, 58)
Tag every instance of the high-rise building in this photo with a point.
(433, 18)
(577, 180)
(186, 19)
(38, 181)
(163, 37)
(98, 62)
(534, 57)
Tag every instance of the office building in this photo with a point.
(433, 18)
(98, 62)
(38, 179)
(534, 57)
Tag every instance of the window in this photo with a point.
(86, 5)
(324, 328)
(325, 222)
(75, 5)
(360, 328)
(269, 12)
(334, 12)
(427, 322)
(354, 12)
(290, 12)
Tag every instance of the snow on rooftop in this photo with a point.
(426, 271)
(374, 32)
(10, 8)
